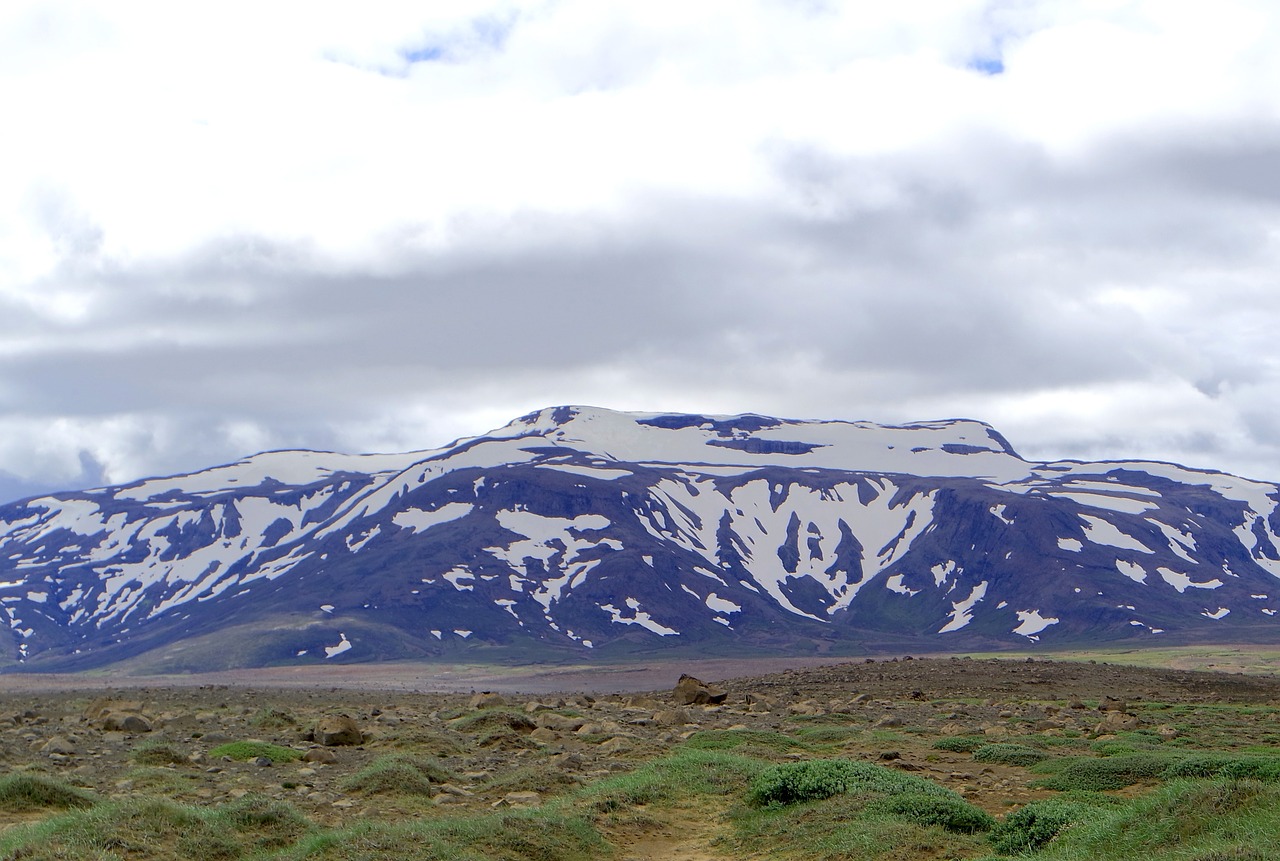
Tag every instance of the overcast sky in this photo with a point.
(230, 227)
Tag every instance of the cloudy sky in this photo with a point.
(230, 227)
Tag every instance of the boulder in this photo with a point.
(559, 722)
(542, 735)
(690, 691)
(336, 730)
(1116, 722)
(118, 721)
(59, 745)
(671, 717)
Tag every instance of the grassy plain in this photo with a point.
(883, 760)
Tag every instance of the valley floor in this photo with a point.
(943, 751)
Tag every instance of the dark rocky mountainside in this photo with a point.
(576, 533)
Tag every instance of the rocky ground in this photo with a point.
(512, 750)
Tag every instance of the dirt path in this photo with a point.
(682, 834)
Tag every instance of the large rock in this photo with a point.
(691, 692)
(336, 730)
(125, 722)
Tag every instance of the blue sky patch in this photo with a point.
(987, 65)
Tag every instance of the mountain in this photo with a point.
(577, 532)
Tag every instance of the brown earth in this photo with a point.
(573, 727)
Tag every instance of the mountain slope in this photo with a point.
(579, 530)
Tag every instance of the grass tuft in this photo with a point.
(398, 774)
(247, 750)
(22, 792)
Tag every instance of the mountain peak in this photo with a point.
(577, 529)
(948, 447)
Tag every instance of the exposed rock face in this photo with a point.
(691, 692)
(337, 730)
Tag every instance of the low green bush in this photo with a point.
(1031, 827)
(815, 779)
(1184, 820)
(1101, 774)
(1230, 766)
(953, 814)
(1009, 754)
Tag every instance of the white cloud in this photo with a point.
(246, 226)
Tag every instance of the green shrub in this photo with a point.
(1009, 754)
(815, 779)
(1235, 767)
(1031, 827)
(1092, 774)
(246, 750)
(1186, 820)
(953, 814)
(19, 792)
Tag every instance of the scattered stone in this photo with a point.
(672, 717)
(456, 791)
(560, 723)
(521, 799)
(59, 745)
(617, 744)
(690, 692)
(125, 722)
(1116, 722)
(337, 730)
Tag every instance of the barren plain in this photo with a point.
(933, 758)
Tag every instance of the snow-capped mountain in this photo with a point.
(588, 531)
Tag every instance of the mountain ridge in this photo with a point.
(578, 531)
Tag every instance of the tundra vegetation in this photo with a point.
(889, 759)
